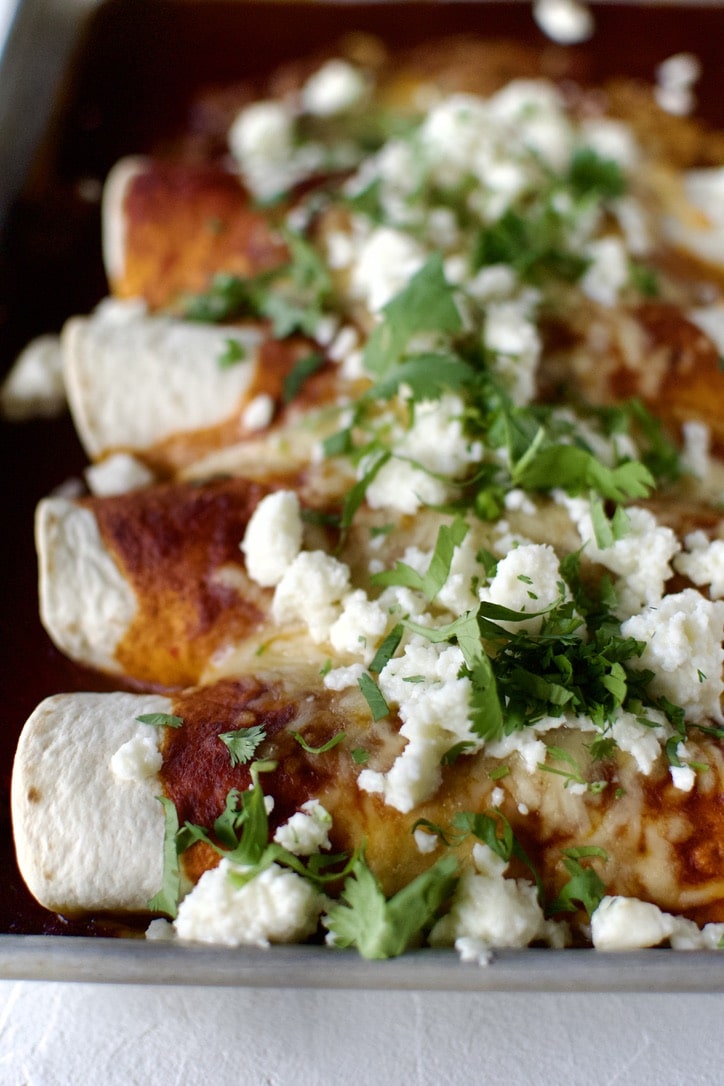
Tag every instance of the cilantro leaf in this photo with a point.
(608, 531)
(427, 376)
(242, 743)
(233, 352)
(302, 370)
(374, 697)
(387, 649)
(160, 720)
(449, 537)
(329, 745)
(577, 470)
(426, 304)
(166, 899)
(534, 243)
(227, 296)
(590, 174)
(381, 928)
(242, 829)
(585, 888)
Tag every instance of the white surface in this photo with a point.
(72, 1035)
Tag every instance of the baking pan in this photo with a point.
(82, 83)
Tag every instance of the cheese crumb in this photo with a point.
(34, 388)
(491, 909)
(258, 413)
(311, 591)
(275, 906)
(683, 648)
(334, 88)
(307, 831)
(117, 474)
(703, 562)
(626, 923)
(273, 537)
(137, 759)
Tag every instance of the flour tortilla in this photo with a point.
(86, 839)
(134, 380)
(86, 604)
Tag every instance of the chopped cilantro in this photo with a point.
(584, 888)
(233, 352)
(242, 743)
(448, 538)
(329, 745)
(382, 928)
(160, 720)
(387, 649)
(425, 305)
(302, 370)
(374, 697)
(166, 899)
(590, 174)
(608, 530)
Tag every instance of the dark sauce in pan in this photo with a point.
(135, 74)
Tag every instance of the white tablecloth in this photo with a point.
(73, 1035)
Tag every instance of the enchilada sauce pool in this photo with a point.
(162, 55)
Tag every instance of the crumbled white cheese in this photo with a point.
(425, 840)
(613, 140)
(703, 562)
(437, 446)
(564, 21)
(137, 759)
(513, 336)
(434, 709)
(342, 678)
(639, 583)
(34, 388)
(311, 591)
(532, 114)
(675, 80)
(458, 593)
(273, 537)
(384, 264)
(608, 272)
(683, 777)
(626, 923)
(528, 579)
(307, 831)
(496, 911)
(275, 906)
(160, 930)
(683, 647)
(334, 88)
(403, 487)
(697, 445)
(360, 626)
(117, 474)
(641, 741)
(258, 413)
(261, 139)
(457, 138)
